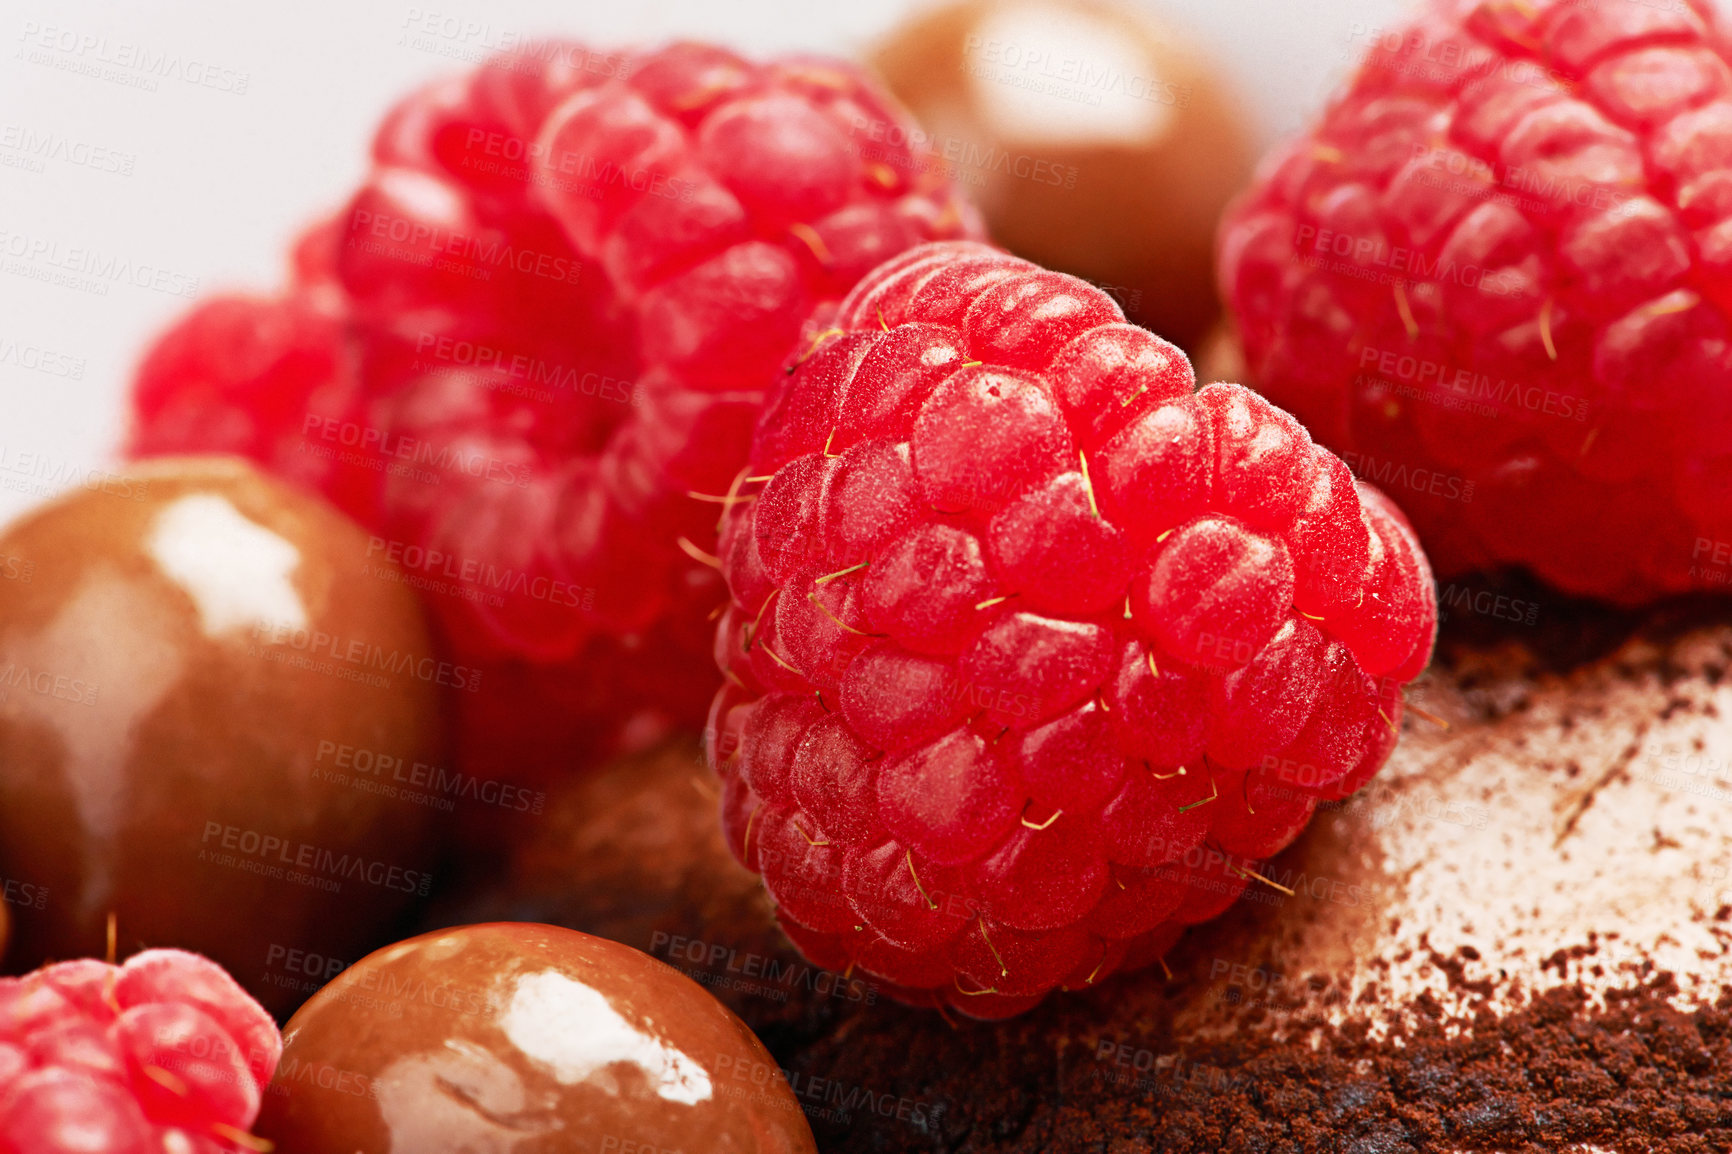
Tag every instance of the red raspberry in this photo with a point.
(164, 1053)
(1496, 277)
(257, 377)
(1032, 647)
(568, 277)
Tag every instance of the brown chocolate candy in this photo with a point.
(528, 1038)
(1094, 139)
(195, 663)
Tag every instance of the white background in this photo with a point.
(214, 180)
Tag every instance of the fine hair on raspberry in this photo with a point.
(1034, 650)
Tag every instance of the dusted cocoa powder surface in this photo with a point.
(1518, 939)
(1634, 1075)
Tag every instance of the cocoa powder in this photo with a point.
(1633, 1074)
(1524, 942)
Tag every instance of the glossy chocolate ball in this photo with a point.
(198, 666)
(1095, 140)
(511, 1036)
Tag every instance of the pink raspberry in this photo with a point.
(164, 1053)
(1034, 648)
(567, 277)
(1496, 277)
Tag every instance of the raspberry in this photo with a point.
(567, 278)
(1033, 648)
(256, 377)
(164, 1053)
(1496, 277)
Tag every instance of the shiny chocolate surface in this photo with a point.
(1095, 139)
(187, 653)
(519, 1038)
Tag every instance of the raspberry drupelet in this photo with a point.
(163, 1055)
(255, 376)
(564, 283)
(1496, 275)
(1034, 649)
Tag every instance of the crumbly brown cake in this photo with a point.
(1518, 938)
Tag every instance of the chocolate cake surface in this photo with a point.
(1517, 938)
